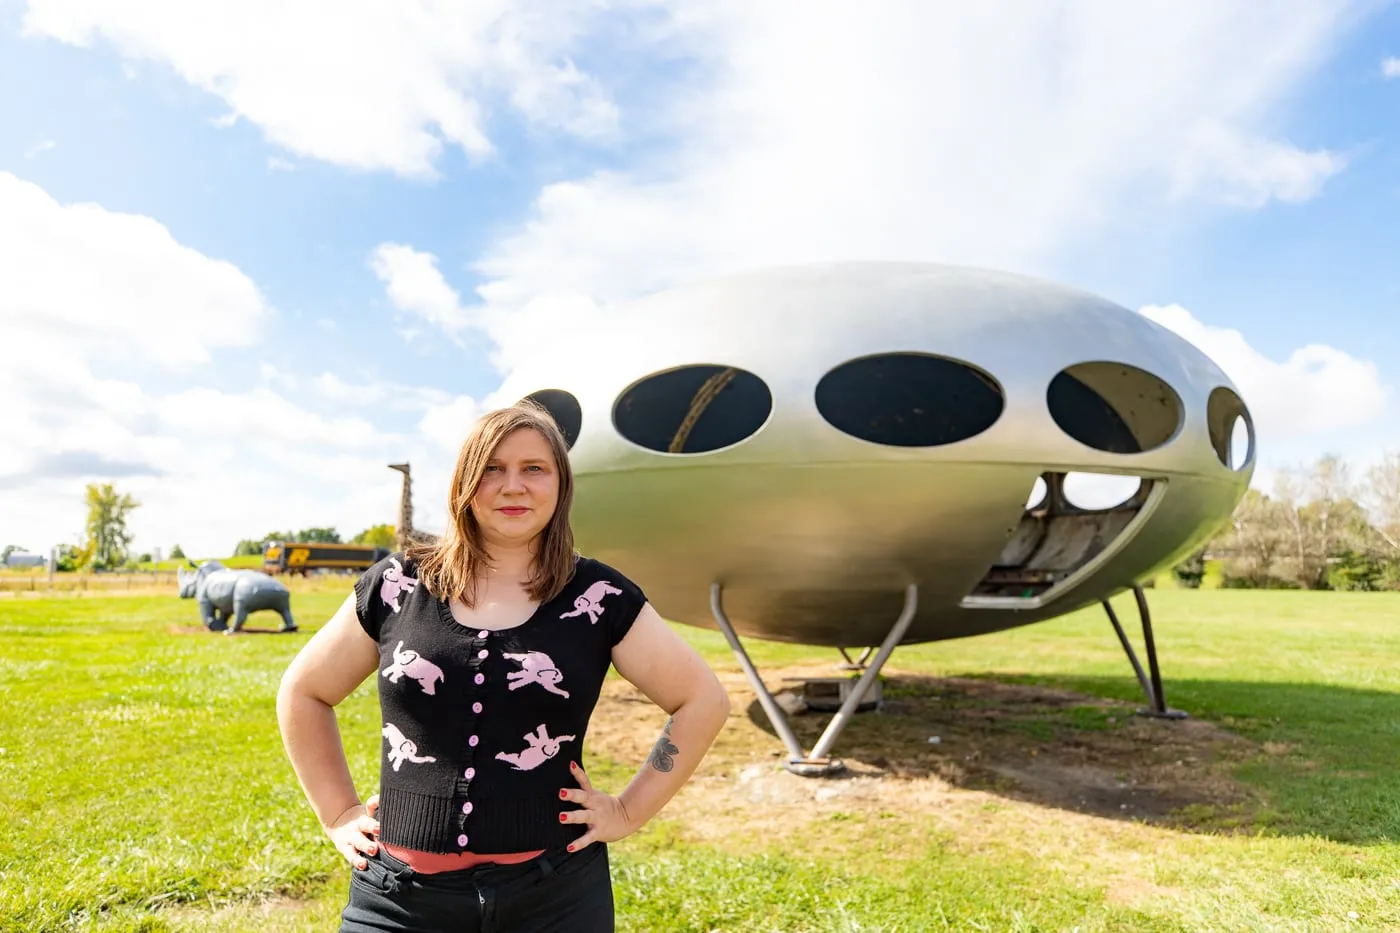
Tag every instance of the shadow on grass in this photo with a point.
(1275, 758)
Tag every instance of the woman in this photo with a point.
(490, 647)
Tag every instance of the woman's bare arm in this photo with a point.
(674, 677)
(328, 668)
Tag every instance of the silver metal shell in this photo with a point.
(813, 533)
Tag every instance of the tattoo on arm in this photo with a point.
(661, 754)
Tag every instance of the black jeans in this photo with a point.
(559, 890)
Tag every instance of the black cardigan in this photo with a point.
(479, 727)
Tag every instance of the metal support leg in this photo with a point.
(770, 706)
(848, 709)
(816, 763)
(856, 665)
(1157, 704)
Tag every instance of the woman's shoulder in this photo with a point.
(396, 563)
(589, 571)
(591, 568)
(386, 589)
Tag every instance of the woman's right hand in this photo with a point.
(355, 832)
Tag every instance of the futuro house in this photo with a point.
(863, 454)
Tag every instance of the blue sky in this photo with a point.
(583, 156)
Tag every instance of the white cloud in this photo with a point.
(258, 418)
(939, 132)
(360, 83)
(1390, 67)
(929, 132)
(1317, 389)
(415, 285)
(210, 467)
(1249, 172)
(114, 283)
(89, 291)
(446, 424)
(42, 146)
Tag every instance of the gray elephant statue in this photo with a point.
(225, 594)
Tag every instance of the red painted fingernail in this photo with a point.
(563, 794)
(561, 817)
(570, 847)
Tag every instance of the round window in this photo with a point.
(563, 408)
(1114, 407)
(693, 409)
(909, 400)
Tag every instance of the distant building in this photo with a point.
(156, 555)
(25, 559)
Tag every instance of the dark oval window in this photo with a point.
(1114, 407)
(909, 400)
(563, 408)
(693, 409)
(1231, 428)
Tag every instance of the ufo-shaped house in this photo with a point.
(813, 454)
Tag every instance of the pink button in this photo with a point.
(472, 741)
(483, 633)
(480, 678)
(469, 773)
(467, 807)
(476, 707)
(462, 840)
(481, 653)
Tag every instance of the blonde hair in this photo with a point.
(451, 566)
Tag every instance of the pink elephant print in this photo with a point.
(395, 582)
(414, 665)
(536, 667)
(591, 601)
(539, 748)
(401, 748)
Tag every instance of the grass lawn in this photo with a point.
(144, 786)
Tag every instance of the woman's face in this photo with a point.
(519, 490)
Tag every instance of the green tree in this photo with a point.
(1389, 576)
(1189, 572)
(178, 553)
(1253, 543)
(70, 558)
(1355, 570)
(9, 549)
(319, 536)
(377, 536)
(107, 537)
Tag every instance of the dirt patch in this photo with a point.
(947, 746)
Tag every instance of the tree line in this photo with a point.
(374, 536)
(1323, 527)
(107, 540)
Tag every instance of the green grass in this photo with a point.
(242, 561)
(144, 786)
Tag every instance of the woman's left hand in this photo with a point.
(606, 817)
